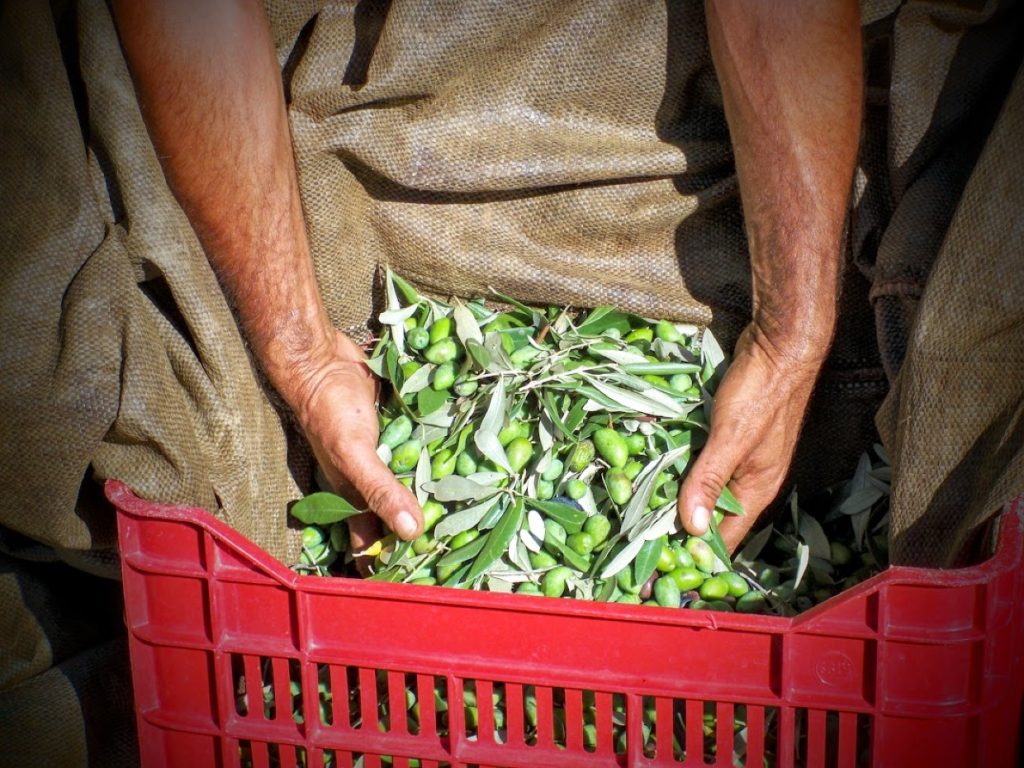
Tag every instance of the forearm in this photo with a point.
(211, 93)
(791, 83)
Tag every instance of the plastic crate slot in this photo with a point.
(530, 715)
(470, 710)
(238, 687)
(295, 691)
(440, 703)
(500, 711)
(620, 724)
(589, 720)
(648, 724)
(268, 688)
(324, 697)
(558, 717)
(410, 689)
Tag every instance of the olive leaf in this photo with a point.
(623, 559)
(498, 540)
(455, 488)
(567, 516)
(422, 476)
(710, 351)
(464, 519)
(753, 547)
(813, 534)
(322, 508)
(620, 356)
(419, 380)
(397, 330)
(644, 487)
(646, 560)
(803, 553)
(727, 502)
(638, 402)
(714, 540)
(466, 327)
(397, 316)
(429, 400)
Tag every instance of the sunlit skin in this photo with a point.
(212, 97)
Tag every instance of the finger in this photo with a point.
(704, 483)
(391, 501)
(363, 530)
(735, 528)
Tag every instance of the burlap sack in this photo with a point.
(563, 152)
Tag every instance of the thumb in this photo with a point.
(702, 486)
(391, 501)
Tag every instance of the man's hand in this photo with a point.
(756, 418)
(791, 85)
(211, 92)
(336, 406)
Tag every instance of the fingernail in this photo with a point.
(405, 524)
(700, 518)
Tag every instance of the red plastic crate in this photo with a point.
(914, 667)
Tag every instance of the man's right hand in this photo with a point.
(335, 403)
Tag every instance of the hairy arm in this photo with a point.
(211, 94)
(791, 82)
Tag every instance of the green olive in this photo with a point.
(465, 464)
(339, 537)
(667, 332)
(528, 588)
(405, 456)
(611, 446)
(632, 469)
(839, 553)
(553, 531)
(737, 584)
(519, 452)
(599, 527)
(639, 334)
(465, 387)
(425, 581)
(620, 489)
(656, 380)
(624, 581)
(629, 599)
(667, 560)
(581, 543)
(523, 356)
(666, 592)
(444, 377)
(686, 578)
(440, 329)
(423, 544)
(719, 605)
(554, 581)
(714, 588)
(312, 536)
(442, 351)
(751, 602)
(554, 470)
(397, 432)
(545, 489)
(768, 577)
(581, 456)
(682, 555)
(575, 489)
(702, 555)
(443, 464)
(681, 382)
(514, 429)
(636, 443)
(459, 540)
(433, 511)
(418, 338)
(542, 559)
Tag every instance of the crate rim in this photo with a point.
(1007, 553)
